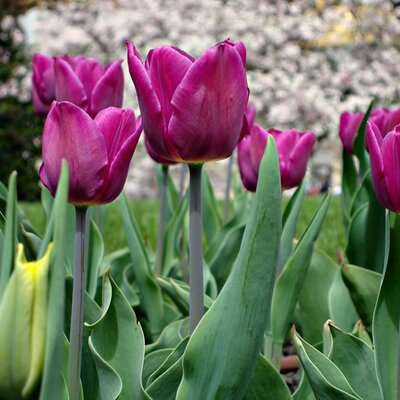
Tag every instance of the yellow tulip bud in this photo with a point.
(23, 324)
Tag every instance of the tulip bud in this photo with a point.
(348, 127)
(193, 110)
(98, 151)
(294, 149)
(23, 321)
(384, 152)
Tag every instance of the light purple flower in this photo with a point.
(193, 110)
(384, 152)
(98, 151)
(294, 149)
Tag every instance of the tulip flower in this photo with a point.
(250, 116)
(348, 127)
(384, 152)
(98, 151)
(23, 321)
(294, 149)
(385, 119)
(193, 110)
(83, 81)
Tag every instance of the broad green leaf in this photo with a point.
(10, 234)
(290, 282)
(359, 142)
(349, 186)
(368, 225)
(210, 214)
(385, 328)
(118, 340)
(51, 386)
(341, 307)
(223, 260)
(222, 352)
(310, 315)
(351, 355)
(326, 379)
(303, 391)
(150, 293)
(289, 222)
(47, 201)
(266, 383)
(95, 256)
(153, 361)
(31, 242)
(360, 332)
(363, 285)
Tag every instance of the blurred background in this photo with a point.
(308, 60)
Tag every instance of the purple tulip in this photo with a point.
(294, 150)
(98, 151)
(193, 110)
(348, 127)
(384, 152)
(385, 119)
(251, 116)
(83, 81)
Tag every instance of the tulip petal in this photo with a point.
(69, 133)
(121, 133)
(39, 107)
(109, 90)
(68, 86)
(378, 173)
(248, 175)
(208, 106)
(89, 71)
(156, 157)
(150, 108)
(43, 77)
(258, 140)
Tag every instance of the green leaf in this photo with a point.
(266, 383)
(326, 379)
(359, 149)
(349, 186)
(118, 340)
(289, 222)
(10, 234)
(363, 285)
(47, 201)
(303, 391)
(95, 256)
(153, 361)
(51, 386)
(351, 355)
(310, 315)
(222, 352)
(289, 284)
(210, 215)
(385, 328)
(150, 293)
(369, 224)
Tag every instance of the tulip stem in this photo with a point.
(196, 306)
(162, 217)
(78, 292)
(228, 190)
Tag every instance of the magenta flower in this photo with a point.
(385, 119)
(294, 149)
(193, 110)
(251, 116)
(82, 81)
(384, 152)
(348, 127)
(98, 151)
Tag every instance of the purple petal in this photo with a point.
(109, 90)
(348, 127)
(68, 86)
(156, 157)
(69, 133)
(250, 115)
(208, 106)
(43, 78)
(121, 133)
(150, 108)
(248, 175)
(258, 138)
(39, 107)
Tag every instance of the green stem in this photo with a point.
(228, 190)
(77, 312)
(273, 351)
(162, 217)
(196, 306)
